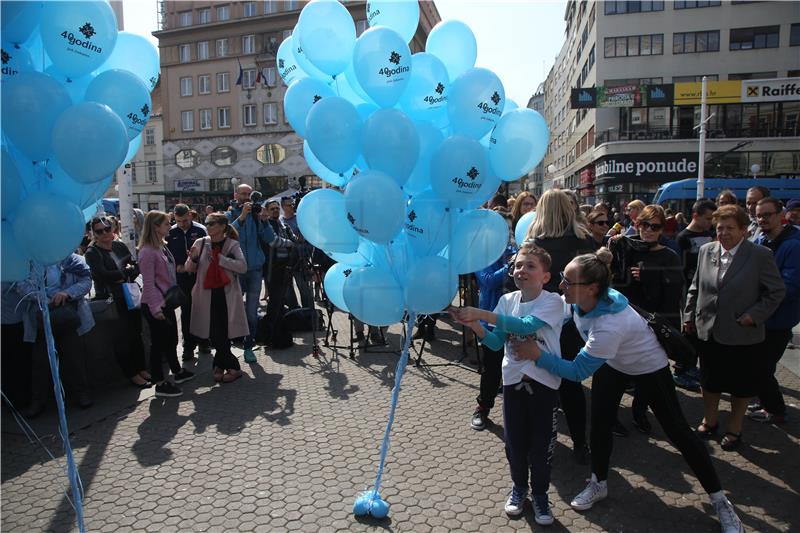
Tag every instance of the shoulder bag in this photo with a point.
(677, 346)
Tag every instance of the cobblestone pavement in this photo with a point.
(289, 446)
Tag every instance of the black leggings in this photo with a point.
(571, 394)
(658, 390)
(163, 343)
(491, 378)
(223, 358)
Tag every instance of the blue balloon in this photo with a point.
(370, 502)
(459, 167)
(401, 16)
(18, 20)
(126, 95)
(338, 179)
(478, 240)
(32, 102)
(322, 219)
(363, 256)
(288, 68)
(49, 227)
(374, 296)
(89, 141)
(352, 80)
(523, 224)
(133, 147)
(61, 184)
(303, 61)
(391, 144)
(476, 102)
(519, 142)
(16, 59)
(379, 509)
(78, 36)
(428, 223)
(375, 206)
(75, 87)
(135, 54)
(431, 285)
(327, 34)
(489, 188)
(300, 97)
(15, 263)
(510, 106)
(429, 140)
(343, 88)
(454, 44)
(366, 110)
(382, 63)
(425, 98)
(11, 183)
(333, 130)
(35, 48)
(334, 284)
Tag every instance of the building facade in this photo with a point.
(534, 180)
(623, 102)
(218, 132)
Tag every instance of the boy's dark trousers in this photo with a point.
(530, 411)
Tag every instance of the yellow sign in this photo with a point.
(717, 92)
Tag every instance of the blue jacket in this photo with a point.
(786, 249)
(490, 283)
(73, 276)
(252, 233)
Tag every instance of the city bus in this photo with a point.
(680, 195)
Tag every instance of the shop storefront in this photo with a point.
(621, 178)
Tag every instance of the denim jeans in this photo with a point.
(251, 289)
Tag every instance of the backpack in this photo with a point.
(278, 337)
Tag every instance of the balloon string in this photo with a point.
(398, 377)
(72, 471)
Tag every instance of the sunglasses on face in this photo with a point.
(650, 226)
(600, 222)
(100, 231)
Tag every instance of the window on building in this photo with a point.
(204, 84)
(249, 114)
(149, 136)
(223, 13)
(223, 82)
(691, 79)
(185, 53)
(223, 117)
(222, 47)
(634, 45)
(753, 75)
(152, 175)
(250, 9)
(270, 113)
(620, 7)
(223, 156)
(133, 172)
(187, 120)
(248, 44)
(591, 58)
(204, 15)
(220, 185)
(270, 76)
(186, 158)
(205, 119)
(290, 5)
(794, 35)
(186, 86)
(691, 4)
(185, 18)
(270, 6)
(271, 154)
(695, 42)
(753, 38)
(361, 27)
(249, 78)
(793, 73)
(202, 50)
(591, 17)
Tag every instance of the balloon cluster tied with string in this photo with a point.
(75, 99)
(413, 144)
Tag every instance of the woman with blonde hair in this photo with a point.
(524, 203)
(158, 277)
(557, 230)
(217, 304)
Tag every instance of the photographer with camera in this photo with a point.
(301, 273)
(244, 217)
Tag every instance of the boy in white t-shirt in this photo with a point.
(530, 393)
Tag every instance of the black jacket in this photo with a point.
(109, 273)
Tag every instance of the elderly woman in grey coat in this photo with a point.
(217, 305)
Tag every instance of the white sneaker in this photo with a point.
(594, 492)
(516, 501)
(728, 519)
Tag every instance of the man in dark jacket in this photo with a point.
(784, 241)
(179, 241)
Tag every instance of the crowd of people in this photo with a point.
(583, 282)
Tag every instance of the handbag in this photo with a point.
(104, 310)
(677, 346)
(133, 295)
(173, 298)
(63, 318)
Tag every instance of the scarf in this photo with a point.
(216, 277)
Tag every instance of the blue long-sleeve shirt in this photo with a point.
(583, 366)
(251, 234)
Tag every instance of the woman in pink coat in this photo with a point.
(217, 305)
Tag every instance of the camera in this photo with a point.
(255, 200)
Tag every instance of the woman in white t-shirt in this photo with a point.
(621, 347)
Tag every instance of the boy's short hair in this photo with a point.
(530, 248)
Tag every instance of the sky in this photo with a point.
(517, 39)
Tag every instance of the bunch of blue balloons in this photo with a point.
(75, 99)
(413, 144)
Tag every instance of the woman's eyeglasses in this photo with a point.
(105, 229)
(651, 226)
(567, 283)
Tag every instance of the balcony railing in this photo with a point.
(661, 134)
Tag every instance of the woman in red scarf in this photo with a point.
(217, 305)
